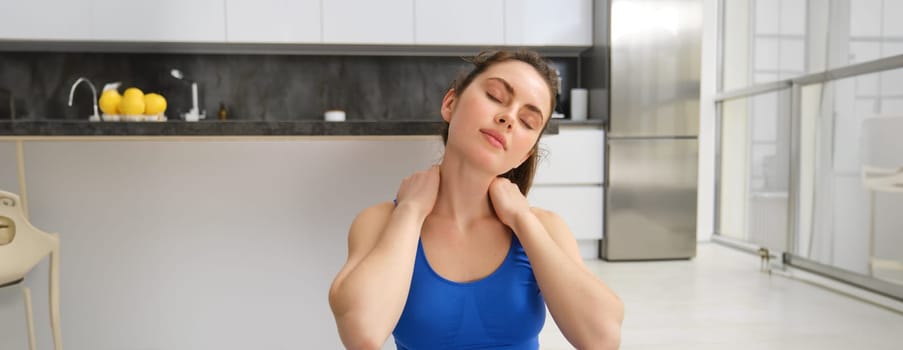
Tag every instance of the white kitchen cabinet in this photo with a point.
(45, 20)
(368, 22)
(574, 156)
(364, 22)
(579, 206)
(569, 181)
(273, 21)
(159, 21)
(543, 22)
(462, 22)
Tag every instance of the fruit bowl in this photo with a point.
(133, 118)
(132, 106)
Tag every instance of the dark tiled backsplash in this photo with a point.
(252, 87)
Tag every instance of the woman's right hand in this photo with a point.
(419, 190)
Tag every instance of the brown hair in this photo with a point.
(523, 174)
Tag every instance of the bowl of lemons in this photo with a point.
(133, 105)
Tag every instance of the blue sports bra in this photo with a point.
(504, 310)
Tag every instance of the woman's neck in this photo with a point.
(463, 193)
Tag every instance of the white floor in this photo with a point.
(720, 300)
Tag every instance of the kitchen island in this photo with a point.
(36, 128)
(180, 232)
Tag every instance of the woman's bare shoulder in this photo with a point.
(365, 231)
(371, 221)
(559, 232)
(552, 222)
(374, 215)
(547, 217)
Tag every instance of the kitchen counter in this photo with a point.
(15, 129)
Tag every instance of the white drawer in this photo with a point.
(579, 206)
(574, 156)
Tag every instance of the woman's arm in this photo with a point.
(368, 295)
(588, 313)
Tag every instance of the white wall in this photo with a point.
(199, 245)
(708, 89)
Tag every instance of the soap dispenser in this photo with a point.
(221, 114)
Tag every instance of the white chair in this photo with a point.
(882, 171)
(22, 247)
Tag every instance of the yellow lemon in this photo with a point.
(109, 101)
(133, 91)
(154, 104)
(132, 105)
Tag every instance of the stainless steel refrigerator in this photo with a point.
(652, 147)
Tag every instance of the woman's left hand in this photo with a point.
(507, 200)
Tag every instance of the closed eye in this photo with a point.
(527, 124)
(492, 97)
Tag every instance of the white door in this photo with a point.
(544, 22)
(368, 22)
(462, 22)
(160, 20)
(273, 21)
(45, 20)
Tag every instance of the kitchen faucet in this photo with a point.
(194, 114)
(95, 117)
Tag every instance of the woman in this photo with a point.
(461, 260)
